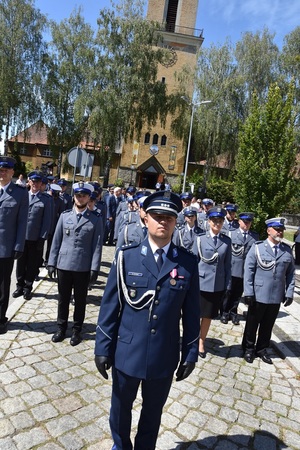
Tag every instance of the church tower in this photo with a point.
(159, 156)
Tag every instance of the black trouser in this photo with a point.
(297, 253)
(231, 302)
(261, 317)
(6, 267)
(124, 391)
(27, 265)
(68, 280)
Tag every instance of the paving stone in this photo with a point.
(44, 412)
(6, 428)
(12, 405)
(57, 427)
(29, 439)
(7, 444)
(22, 421)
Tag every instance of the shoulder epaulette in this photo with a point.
(131, 245)
(66, 211)
(258, 242)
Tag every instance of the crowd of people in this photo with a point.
(179, 263)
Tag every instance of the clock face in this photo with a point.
(170, 57)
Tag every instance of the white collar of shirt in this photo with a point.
(34, 193)
(80, 212)
(5, 187)
(154, 247)
(189, 228)
(213, 235)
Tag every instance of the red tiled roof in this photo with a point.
(35, 134)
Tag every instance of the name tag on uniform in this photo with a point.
(135, 274)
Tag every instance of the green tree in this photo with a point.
(68, 63)
(125, 93)
(266, 158)
(21, 54)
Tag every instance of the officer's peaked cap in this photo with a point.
(62, 182)
(186, 196)
(163, 202)
(190, 211)
(216, 211)
(35, 175)
(231, 207)
(276, 222)
(6, 162)
(207, 201)
(55, 187)
(246, 216)
(83, 188)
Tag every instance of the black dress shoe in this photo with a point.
(265, 357)
(249, 357)
(202, 355)
(18, 292)
(224, 319)
(75, 338)
(3, 328)
(27, 294)
(58, 336)
(235, 320)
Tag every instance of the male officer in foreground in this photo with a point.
(13, 221)
(76, 254)
(269, 280)
(150, 286)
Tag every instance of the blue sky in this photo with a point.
(218, 18)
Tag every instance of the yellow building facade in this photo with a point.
(158, 155)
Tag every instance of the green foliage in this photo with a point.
(119, 182)
(266, 157)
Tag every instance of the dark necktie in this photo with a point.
(145, 231)
(275, 250)
(191, 233)
(160, 260)
(245, 236)
(79, 215)
(1, 192)
(32, 197)
(215, 238)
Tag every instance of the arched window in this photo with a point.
(163, 141)
(155, 139)
(147, 138)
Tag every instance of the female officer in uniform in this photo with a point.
(214, 251)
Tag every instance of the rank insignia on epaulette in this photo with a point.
(175, 253)
(144, 250)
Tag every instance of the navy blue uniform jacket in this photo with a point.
(145, 343)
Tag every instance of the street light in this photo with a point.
(204, 102)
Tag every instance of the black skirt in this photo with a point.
(210, 303)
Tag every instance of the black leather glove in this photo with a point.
(249, 300)
(93, 276)
(51, 271)
(184, 370)
(103, 363)
(40, 244)
(17, 255)
(287, 301)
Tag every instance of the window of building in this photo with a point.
(47, 152)
(163, 80)
(163, 141)
(155, 139)
(23, 150)
(147, 138)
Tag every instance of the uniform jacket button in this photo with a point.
(156, 302)
(153, 331)
(158, 288)
(155, 317)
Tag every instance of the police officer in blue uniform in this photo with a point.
(269, 280)
(135, 231)
(186, 199)
(207, 204)
(67, 198)
(38, 226)
(242, 240)
(13, 222)
(76, 255)
(230, 222)
(150, 287)
(214, 251)
(185, 235)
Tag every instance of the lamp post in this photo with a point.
(204, 102)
